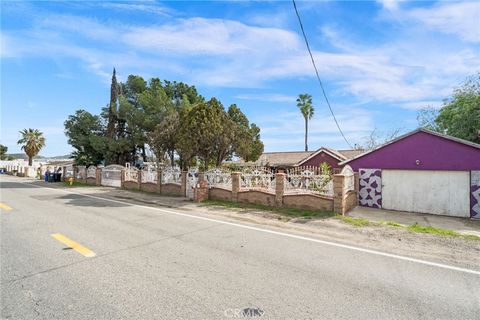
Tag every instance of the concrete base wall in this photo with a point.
(91, 181)
(149, 187)
(350, 201)
(220, 194)
(257, 197)
(172, 189)
(308, 201)
(130, 185)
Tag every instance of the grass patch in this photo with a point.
(361, 222)
(76, 184)
(439, 231)
(290, 212)
(357, 222)
(392, 224)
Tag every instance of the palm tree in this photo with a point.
(304, 103)
(32, 142)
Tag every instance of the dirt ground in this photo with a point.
(436, 248)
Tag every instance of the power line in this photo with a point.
(316, 72)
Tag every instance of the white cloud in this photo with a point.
(147, 7)
(391, 5)
(458, 18)
(228, 53)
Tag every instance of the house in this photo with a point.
(421, 171)
(292, 159)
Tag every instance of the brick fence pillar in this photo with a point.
(159, 181)
(183, 184)
(338, 184)
(201, 191)
(98, 176)
(279, 188)
(235, 185)
(122, 178)
(139, 179)
(64, 173)
(75, 173)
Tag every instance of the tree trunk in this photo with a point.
(306, 134)
(30, 160)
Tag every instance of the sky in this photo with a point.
(380, 61)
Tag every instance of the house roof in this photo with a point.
(295, 158)
(351, 153)
(328, 151)
(458, 140)
(289, 158)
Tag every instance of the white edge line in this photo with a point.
(333, 244)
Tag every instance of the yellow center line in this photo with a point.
(3, 206)
(74, 245)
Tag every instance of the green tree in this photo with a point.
(32, 142)
(3, 152)
(164, 138)
(460, 115)
(304, 103)
(246, 137)
(201, 133)
(250, 148)
(85, 134)
(112, 107)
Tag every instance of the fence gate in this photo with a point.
(112, 176)
(192, 180)
(370, 193)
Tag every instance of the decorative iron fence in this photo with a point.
(219, 178)
(92, 172)
(149, 175)
(192, 180)
(171, 175)
(81, 173)
(131, 174)
(69, 171)
(112, 176)
(257, 179)
(308, 180)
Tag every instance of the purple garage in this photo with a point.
(421, 171)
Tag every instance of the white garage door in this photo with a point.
(436, 192)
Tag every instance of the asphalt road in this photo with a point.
(156, 264)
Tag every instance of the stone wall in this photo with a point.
(308, 201)
(130, 185)
(171, 189)
(149, 187)
(257, 197)
(349, 201)
(220, 194)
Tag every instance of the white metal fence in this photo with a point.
(92, 172)
(131, 174)
(171, 175)
(257, 179)
(219, 178)
(308, 180)
(149, 175)
(112, 176)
